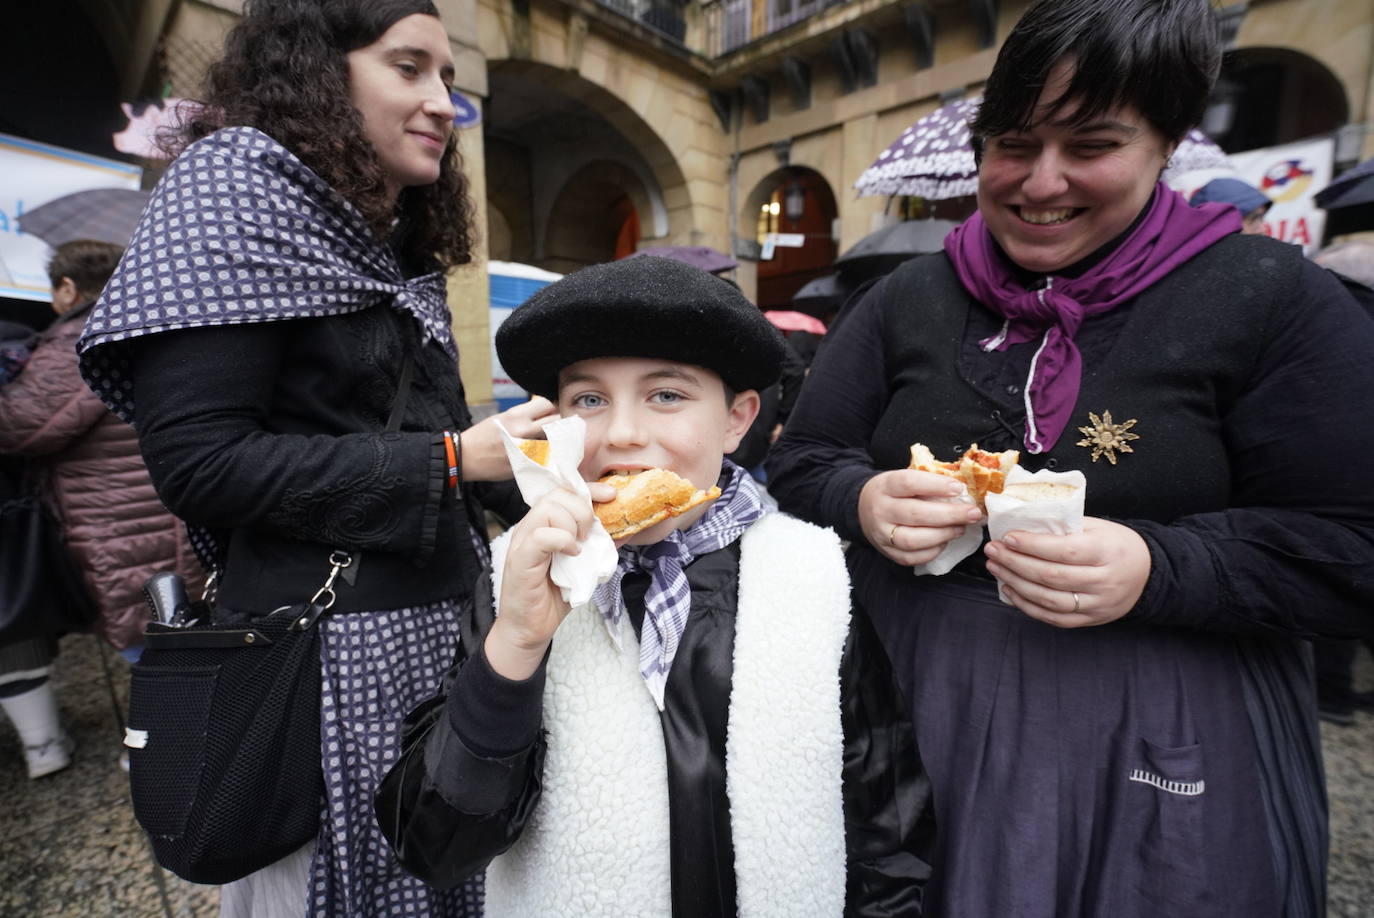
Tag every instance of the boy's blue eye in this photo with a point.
(587, 400)
(666, 396)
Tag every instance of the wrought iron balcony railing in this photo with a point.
(731, 24)
(663, 16)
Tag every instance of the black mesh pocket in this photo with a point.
(168, 712)
(230, 779)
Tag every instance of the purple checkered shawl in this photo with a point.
(239, 230)
(668, 603)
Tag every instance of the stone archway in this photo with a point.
(792, 201)
(547, 129)
(1267, 96)
(590, 215)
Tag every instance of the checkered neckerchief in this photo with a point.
(668, 602)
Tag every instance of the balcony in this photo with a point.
(663, 16)
(731, 24)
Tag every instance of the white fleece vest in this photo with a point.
(597, 844)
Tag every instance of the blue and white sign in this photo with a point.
(466, 114)
(32, 174)
(511, 283)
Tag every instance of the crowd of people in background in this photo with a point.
(1116, 720)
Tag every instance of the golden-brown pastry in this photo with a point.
(982, 472)
(647, 498)
(536, 450)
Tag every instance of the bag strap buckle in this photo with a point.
(324, 597)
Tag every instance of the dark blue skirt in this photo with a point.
(1117, 771)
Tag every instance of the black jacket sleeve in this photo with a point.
(471, 767)
(222, 451)
(888, 812)
(821, 462)
(1294, 553)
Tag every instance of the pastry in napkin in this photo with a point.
(1048, 502)
(560, 454)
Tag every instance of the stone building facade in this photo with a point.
(611, 125)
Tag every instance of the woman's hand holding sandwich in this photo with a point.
(1072, 581)
(908, 515)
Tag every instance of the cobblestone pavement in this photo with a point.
(71, 849)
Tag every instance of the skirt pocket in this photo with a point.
(1167, 795)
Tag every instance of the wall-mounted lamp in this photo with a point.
(794, 201)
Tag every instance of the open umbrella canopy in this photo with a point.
(698, 256)
(791, 320)
(823, 296)
(102, 214)
(880, 252)
(1352, 187)
(933, 158)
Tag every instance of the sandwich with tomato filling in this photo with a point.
(982, 472)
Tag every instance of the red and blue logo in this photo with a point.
(1286, 180)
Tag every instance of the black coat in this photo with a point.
(497, 775)
(271, 435)
(1248, 373)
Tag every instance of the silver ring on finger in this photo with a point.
(1077, 604)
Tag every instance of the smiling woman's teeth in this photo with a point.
(1043, 217)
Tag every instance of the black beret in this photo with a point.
(639, 307)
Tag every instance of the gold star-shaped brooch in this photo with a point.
(1107, 438)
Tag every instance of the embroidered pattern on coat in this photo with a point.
(361, 510)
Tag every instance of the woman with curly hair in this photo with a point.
(282, 295)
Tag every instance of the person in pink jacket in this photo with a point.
(118, 531)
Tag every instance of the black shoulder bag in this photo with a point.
(42, 591)
(224, 727)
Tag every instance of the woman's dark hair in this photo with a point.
(87, 262)
(1160, 57)
(284, 72)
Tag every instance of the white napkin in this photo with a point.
(576, 575)
(1057, 510)
(955, 550)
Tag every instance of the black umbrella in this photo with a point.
(822, 296)
(102, 214)
(1352, 187)
(880, 252)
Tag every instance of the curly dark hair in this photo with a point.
(284, 72)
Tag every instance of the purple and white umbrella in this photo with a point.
(933, 158)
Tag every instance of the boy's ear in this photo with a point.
(742, 412)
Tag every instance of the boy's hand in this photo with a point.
(484, 453)
(907, 516)
(531, 607)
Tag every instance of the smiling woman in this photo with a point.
(401, 85)
(1060, 188)
(1136, 696)
(293, 380)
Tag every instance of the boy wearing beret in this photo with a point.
(716, 732)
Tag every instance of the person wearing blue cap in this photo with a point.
(1252, 203)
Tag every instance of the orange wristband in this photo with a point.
(451, 453)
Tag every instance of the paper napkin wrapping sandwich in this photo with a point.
(958, 549)
(1043, 501)
(578, 575)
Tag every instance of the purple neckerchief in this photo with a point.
(1168, 235)
(668, 602)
